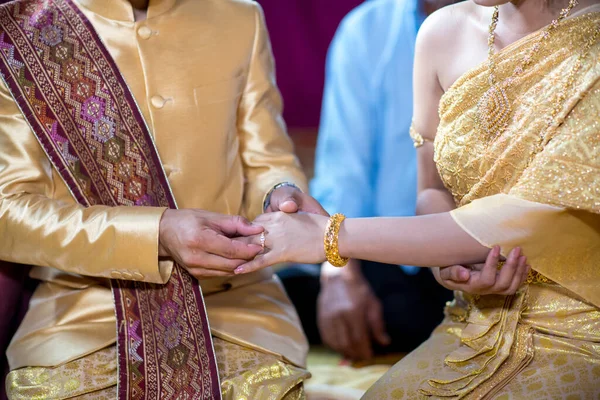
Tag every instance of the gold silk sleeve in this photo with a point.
(37, 229)
(266, 150)
(553, 211)
(561, 244)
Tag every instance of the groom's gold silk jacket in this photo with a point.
(202, 74)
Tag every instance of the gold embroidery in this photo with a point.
(244, 374)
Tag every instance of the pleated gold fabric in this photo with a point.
(244, 374)
(554, 352)
(535, 185)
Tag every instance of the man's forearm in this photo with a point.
(100, 241)
(350, 272)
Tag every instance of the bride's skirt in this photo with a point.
(542, 343)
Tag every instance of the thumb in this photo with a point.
(377, 323)
(455, 273)
(239, 226)
(289, 205)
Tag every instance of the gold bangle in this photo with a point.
(330, 241)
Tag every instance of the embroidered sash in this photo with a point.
(78, 105)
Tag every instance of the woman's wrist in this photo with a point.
(344, 238)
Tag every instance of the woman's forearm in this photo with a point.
(426, 241)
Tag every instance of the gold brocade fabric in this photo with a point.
(244, 374)
(536, 184)
(555, 352)
(474, 165)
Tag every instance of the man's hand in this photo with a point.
(290, 199)
(486, 278)
(200, 241)
(349, 315)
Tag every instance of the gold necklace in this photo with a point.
(494, 107)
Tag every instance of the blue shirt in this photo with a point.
(365, 161)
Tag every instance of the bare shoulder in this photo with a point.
(450, 35)
(442, 28)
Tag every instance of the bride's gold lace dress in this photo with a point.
(536, 185)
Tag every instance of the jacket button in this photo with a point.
(157, 101)
(144, 32)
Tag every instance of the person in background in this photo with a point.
(366, 166)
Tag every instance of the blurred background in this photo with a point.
(301, 31)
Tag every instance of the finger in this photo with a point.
(247, 240)
(486, 278)
(289, 205)
(223, 246)
(211, 261)
(237, 226)
(286, 200)
(508, 271)
(348, 339)
(333, 334)
(309, 205)
(261, 261)
(377, 324)
(360, 348)
(518, 277)
(455, 273)
(202, 273)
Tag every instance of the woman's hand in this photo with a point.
(288, 238)
(486, 278)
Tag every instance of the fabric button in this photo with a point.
(157, 101)
(116, 274)
(145, 32)
(137, 276)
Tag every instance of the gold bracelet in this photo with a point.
(330, 241)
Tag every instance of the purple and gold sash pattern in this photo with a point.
(78, 105)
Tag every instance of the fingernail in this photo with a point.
(515, 252)
(522, 260)
(496, 251)
(463, 275)
(238, 271)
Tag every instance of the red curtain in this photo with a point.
(301, 31)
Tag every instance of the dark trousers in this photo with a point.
(412, 304)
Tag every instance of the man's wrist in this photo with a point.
(267, 199)
(350, 273)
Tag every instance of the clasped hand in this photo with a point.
(210, 245)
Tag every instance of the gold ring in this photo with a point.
(263, 239)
